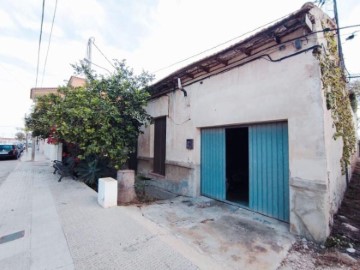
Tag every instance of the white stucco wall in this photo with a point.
(52, 151)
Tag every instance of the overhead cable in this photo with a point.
(324, 30)
(223, 43)
(93, 42)
(41, 28)
(268, 58)
(88, 61)
(48, 48)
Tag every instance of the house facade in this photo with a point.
(53, 151)
(42, 91)
(249, 125)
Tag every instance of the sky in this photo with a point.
(150, 34)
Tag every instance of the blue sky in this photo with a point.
(149, 34)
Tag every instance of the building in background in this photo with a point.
(41, 91)
(51, 151)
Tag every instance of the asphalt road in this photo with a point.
(6, 167)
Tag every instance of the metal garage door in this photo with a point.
(269, 169)
(213, 163)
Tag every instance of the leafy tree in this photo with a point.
(354, 93)
(104, 118)
(40, 121)
(20, 136)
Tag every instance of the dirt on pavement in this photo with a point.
(342, 248)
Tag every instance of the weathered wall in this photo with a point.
(52, 151)
(336, 180)
(260, 91)
(180, 162)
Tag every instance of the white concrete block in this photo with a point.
(107, 192)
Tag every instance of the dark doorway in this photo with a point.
(160, 146)
(132, 161)
(237, 165)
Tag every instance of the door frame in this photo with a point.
(222, 197)
(159, 145)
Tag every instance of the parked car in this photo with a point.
(21, 147)
(9, 151)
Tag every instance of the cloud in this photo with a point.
(22, 51)
(150, 34)
(16, 102)
(179, 29)
(78, 16)
(6, 21)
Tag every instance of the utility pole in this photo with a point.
(341, 56)
(33, 149)
(336, 17)
(342, 66)
(88, 51)
(26, 137)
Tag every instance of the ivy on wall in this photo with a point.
(337, 97)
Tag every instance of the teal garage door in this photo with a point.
(213, 163)
(269, 169)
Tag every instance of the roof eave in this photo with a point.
(291, 24)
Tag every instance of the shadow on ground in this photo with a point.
(236, 238)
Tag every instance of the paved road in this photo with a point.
(6, 167)
(49, 225)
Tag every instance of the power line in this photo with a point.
(306, 35)
(88, 61)
(223, 43)
(41, 28)
(48, 48)
(103, 54)
(352, 36)
(254, 57)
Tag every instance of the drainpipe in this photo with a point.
(347, 174)
(180, 87)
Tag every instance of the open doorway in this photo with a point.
(237, 165)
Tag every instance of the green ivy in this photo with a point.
(337, 97)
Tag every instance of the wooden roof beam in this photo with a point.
(205, 69)
(246, 51)
(191, 76)
(221, 61)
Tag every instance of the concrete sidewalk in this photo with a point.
(49, 225)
